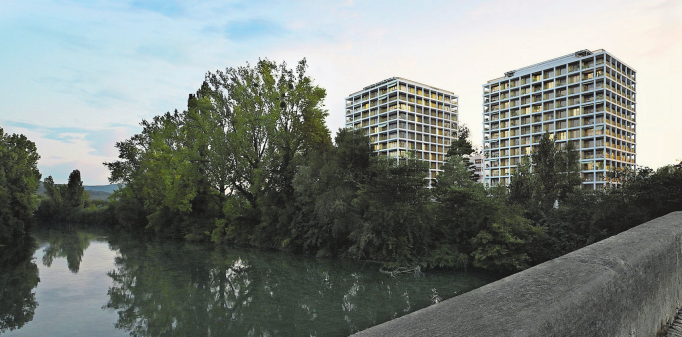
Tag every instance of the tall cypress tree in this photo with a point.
(74, 189)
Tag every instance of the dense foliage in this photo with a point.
(19, 178)
(70, 203)
(572, 218)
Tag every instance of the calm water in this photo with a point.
(81, 283)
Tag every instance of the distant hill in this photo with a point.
(101, 188)
(97, 192)
(98, 195)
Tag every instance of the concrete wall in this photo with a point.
(626, 285)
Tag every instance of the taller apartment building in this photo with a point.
(588, 98)
(401, 115)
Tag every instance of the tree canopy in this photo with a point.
(19, 179)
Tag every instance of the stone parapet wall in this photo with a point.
(627, 285)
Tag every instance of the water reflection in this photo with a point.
(164, 289)
(70, 244)
(18, 278)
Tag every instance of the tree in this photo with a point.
(272, 116)
(521, 187)
(161, 179)
(52, 190)
(474, 224)
(19, 179)
(325, 189)
(567, 170)
(540, 181)
(74, 195)
(462, 147)
(546, 178)
(225, 166)
(395, 224)
(51, 208)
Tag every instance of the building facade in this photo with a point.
(400, 115)
(588, 98)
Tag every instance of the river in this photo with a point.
(84, 282)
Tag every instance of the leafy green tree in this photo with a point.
(52, 190)
(641, 195)
(522, 188)
(272, 117)
(567, 171)
(462, 147)
(547, 178)
(51, 208)
(64, 202)
(474, 224)
(502, 245)
(395, 223)
(161, 181)
(19, 179)
(582, 219)
(74, 195)
(326, 187)
(225, 166)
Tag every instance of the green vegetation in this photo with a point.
(19, 177)
(70, 202)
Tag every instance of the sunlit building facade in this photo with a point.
(401, 115)
(588, 98)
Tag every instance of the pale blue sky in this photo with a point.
(77, 76)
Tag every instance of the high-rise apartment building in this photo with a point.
(401, 115)
(588, 98)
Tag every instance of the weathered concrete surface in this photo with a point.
(626, 285)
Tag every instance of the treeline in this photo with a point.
(71, 203)
(251, 162)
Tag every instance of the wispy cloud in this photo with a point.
(100, 141)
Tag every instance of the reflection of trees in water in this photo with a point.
(18, 278)
(183, 289)
(69, 244)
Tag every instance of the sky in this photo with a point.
(79, 76)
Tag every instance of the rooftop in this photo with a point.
(561, 59)
(403, 79)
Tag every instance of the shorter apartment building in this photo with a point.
(401, 115)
